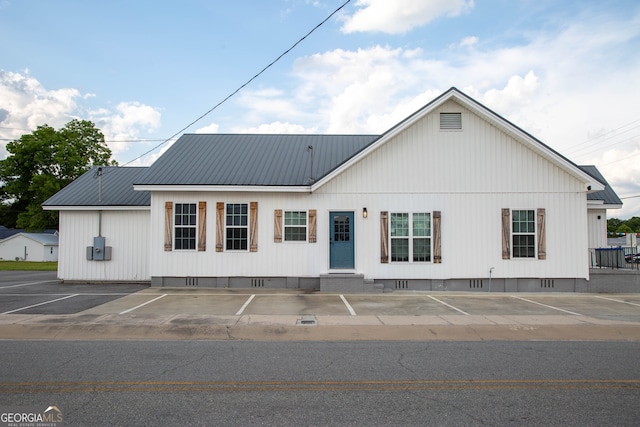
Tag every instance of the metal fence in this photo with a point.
(620, 257)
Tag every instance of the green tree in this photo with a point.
(41, 163)
(624, 228)
(634, 223)
(613, 224)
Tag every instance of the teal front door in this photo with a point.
(341, 253)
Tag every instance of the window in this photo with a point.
(237, 222)
(295, 226)
(185, 226)
(524, 233)
(410, 237)
(450, 121)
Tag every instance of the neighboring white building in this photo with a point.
(449, 197)
(29, 247)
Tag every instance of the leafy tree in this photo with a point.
(624, 228)
(613, 224)
(634, 223)
(41, 163)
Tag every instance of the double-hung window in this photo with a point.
(410, 237)
(295, 226)
(237, 226)
(524, 233)
(185, 226)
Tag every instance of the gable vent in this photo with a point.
(450, 121)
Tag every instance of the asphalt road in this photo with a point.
(171, 383)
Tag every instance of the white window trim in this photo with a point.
(195, 227)
(410, 237)
(533, 233)
(284, 226)
(247, 227)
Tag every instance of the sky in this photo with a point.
(567, 72)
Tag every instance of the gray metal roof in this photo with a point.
(117, 189)
(251, 159)
(45, 239)
(608, 196)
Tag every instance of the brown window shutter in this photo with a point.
(437, 240)
(506, 233)
(312, 226)
(219, 226)
(277, 226)
(202, 226)
(168, 226)
(384, 237)
(542, 240)
(253, 227)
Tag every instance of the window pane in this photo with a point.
(524, 246)
(422, 224)
(399, 224)
(422, 249)
(400, 250)
(295, 234)
(295, 218)
(236, 239)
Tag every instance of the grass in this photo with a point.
(28, 266)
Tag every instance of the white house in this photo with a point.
(454, 197)
(30, 247)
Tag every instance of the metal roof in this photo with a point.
(45, 239)
(252, 159)
(117, 189)
(608, 196)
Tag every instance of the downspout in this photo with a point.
(311, 180)
(100, 201)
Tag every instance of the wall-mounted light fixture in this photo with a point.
(364, 213)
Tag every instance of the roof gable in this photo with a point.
(251, 159)
(453, 94)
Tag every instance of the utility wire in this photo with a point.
(242, 86)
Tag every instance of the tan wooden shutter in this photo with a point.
(312, 226)
(277, 226)
(506, 234)
(202, 226)
(542, 240)
(253, 227)
(219, 226)
(384, 237)
(168, 226)
(437, 239)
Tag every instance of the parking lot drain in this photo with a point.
(307, 321)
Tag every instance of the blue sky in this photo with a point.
(566, 71)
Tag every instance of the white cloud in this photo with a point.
(400, 16)
(212, 128)
(26, 104)
(467, 42)
(277, 127)
(122, 127)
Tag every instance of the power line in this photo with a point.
(569, 149)
(242, 86)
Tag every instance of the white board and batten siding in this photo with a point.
(127, 232)
(468, 175)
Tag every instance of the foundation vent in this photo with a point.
(546, 283)
(475, 284)
(191, 281)
(402, 284)
(257, 283)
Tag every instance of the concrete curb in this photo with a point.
(284, 328)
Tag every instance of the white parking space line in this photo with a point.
(351, 310)
(28, 284)
(142, 305)
(545, 305)
(42, 303)
(617, 300)
(448, 305)
(246, 303)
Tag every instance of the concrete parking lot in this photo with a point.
(35, 302)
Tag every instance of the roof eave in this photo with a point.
(225, 188)
(95, 208)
